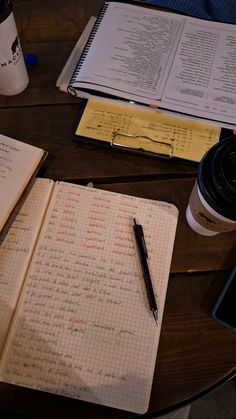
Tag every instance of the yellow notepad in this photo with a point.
(182, 137)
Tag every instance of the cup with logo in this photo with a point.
(212, 204)
(13, 74)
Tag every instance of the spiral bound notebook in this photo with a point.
(96, 25)
(82, 324)
(157, 58)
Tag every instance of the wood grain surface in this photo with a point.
(195, 353)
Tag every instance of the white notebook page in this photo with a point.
(202, 79)
(84, 328)
(131, 53)
(18, 162)
(16, 246)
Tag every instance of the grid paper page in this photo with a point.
(84, 328)
(16, 243)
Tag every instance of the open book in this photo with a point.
(160, 59)
(18, 163)
(74, 316)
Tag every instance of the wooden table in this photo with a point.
(195, 353)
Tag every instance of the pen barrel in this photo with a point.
(148, 285)
(142, 251)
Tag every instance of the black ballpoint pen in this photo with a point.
(143, 256)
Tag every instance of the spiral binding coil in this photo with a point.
(87, 47)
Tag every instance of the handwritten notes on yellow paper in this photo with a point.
(189, 138)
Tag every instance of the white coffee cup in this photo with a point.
(13, 74)
(203, 219)
(212, 203)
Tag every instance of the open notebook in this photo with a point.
(79, 324)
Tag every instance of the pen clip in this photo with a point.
(139, 231)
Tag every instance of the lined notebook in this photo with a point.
(18, 163)
(82, 326)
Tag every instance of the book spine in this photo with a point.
(100, 16)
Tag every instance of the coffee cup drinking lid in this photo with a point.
(220, 199)
(223, 170)
(5, 9)
(229, 166)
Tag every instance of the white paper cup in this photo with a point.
(212, 204)
(13, 74)
(205, 220)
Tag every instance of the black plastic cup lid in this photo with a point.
(229, 167)
(5, 9)
(223, 170)
(216, 178)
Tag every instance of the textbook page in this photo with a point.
(18, 163)
(131, 52)
(17, 242)
(202, 78)
(83, 327)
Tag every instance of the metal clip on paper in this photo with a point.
(144, 143)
